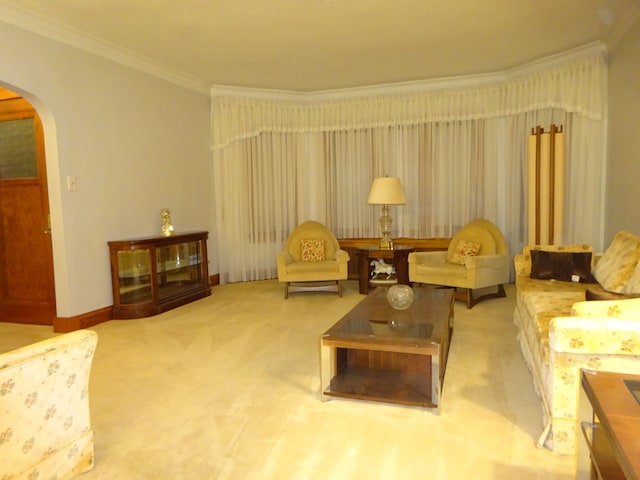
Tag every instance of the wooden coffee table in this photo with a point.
(377, 353)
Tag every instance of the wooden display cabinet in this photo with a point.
(154, 274)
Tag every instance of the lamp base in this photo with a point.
(385, 224)
(385, 244)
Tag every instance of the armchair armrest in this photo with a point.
(342, 256)
(282, 260)
(428, 258)
(487, 261)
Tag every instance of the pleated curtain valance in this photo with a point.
(578, 86)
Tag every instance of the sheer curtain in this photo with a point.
(460, 153)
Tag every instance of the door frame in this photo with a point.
(59, 251)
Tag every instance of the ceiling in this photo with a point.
(320, 45)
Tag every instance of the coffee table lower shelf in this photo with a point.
(391, 386)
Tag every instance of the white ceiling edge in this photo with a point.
(620, 27)
(414, 86)
(64, 34)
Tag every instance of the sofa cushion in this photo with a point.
(618, 262)
(526, 284)
(543, 307)
(565, 266)
(628, 309)
(590, 295)
(633, 284)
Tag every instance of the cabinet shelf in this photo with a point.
(153, 274)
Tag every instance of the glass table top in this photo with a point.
(375, 319)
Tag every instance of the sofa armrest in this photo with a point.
(595, 335)
(603, 327)
(522, 264)
(44, 402)
(428, 258)
(623, 309)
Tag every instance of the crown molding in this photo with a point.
(258, 93)
(622, 25)
(81, 40)
(51, 29)
(414, 86)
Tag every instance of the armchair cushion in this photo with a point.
(464, 249)
(312, 249)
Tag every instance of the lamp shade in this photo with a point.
(386, 191)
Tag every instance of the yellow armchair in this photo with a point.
(477, 258)
(312, 260)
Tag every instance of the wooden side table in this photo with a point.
(611, 427)
(399, 257)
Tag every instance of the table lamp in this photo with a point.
(386, 191)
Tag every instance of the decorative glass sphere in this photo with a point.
(400, 297)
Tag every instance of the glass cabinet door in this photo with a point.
(134, 272)
(178, 267)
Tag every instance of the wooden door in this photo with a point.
(27, 292)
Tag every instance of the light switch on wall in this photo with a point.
(72, 183)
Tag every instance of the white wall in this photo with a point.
(623, 191)
(136, 144)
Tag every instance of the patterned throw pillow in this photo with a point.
(464, 249)
(618, 262)
(312, 249)
(633, 284)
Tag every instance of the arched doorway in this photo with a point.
(27, 285)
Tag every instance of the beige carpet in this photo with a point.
(228, 388)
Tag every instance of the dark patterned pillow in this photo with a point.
(564, 266)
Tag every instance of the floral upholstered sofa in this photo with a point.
(45, 428)
(567, 323)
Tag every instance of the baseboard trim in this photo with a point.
(85, 320)
(89, 319)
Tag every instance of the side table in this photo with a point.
(610, 412)
(399, 257)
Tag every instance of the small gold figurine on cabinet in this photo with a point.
(167, 228)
